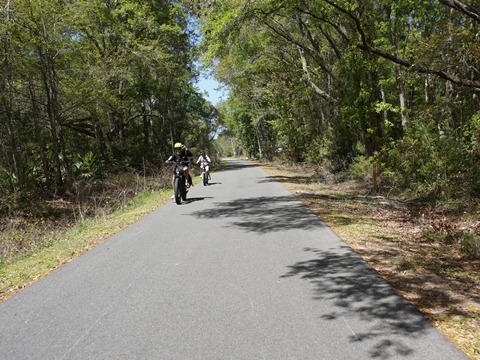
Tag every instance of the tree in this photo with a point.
(356, 79)
(114, 79)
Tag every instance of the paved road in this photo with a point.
(242, 271)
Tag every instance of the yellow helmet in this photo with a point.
(177, 145)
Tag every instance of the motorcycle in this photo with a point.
(179, 183)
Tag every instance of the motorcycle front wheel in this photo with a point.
(177, 191)
(184, 193)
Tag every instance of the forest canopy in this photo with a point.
(354, 85)
(100, 87)
(91, 88)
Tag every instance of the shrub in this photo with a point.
(361, 168)
(430, 163)
(471, 245)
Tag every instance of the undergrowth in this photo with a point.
(33, 225)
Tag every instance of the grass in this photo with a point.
(65, 244)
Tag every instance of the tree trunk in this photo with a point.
(403, 98)
(448, 114)
(146, 129)
(39, 134)
(51, 106)
(100, 139)
(384, 100)
(260, 153)
(8, 101)
(429, 90)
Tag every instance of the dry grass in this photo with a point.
(36, 239)
(61, 244)
(415, 248)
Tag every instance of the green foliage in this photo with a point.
(7, 182)
(434, 164)
(316, 79)
(361, 167)
(318, 152)
(86, 166)
(471, 245)
(114, 79)
(327, 77)
(472, 132)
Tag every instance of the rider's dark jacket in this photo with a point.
(182, 157)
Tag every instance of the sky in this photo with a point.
(206, 82)
(210, 85)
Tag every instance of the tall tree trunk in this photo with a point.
(99, 139)
(39, 134)
(50, 83)
(146, 130)
(8, 101)
(403, 98)
(15, 154)
(51, 106)
(447, 112)
(384, 100)
(373, 129)
(260, 152)
(429, 90)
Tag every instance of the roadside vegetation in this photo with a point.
(93, 95)
(49, 234)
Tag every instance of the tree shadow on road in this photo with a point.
(235, 165)
(286, 179)
(263, 214)
(194, 199)
(358, 294)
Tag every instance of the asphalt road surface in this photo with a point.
(241, 271)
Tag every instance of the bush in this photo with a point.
(433, 164)
(361, 168)
(471, 245)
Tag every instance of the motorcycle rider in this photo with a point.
(204, 162)
(181, 155)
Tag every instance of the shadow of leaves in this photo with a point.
(263, 214)
(359, 296)
(236, 165)
(288, 179)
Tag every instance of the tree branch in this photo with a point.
(468, 10)
(366, 46)
(315, 88)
